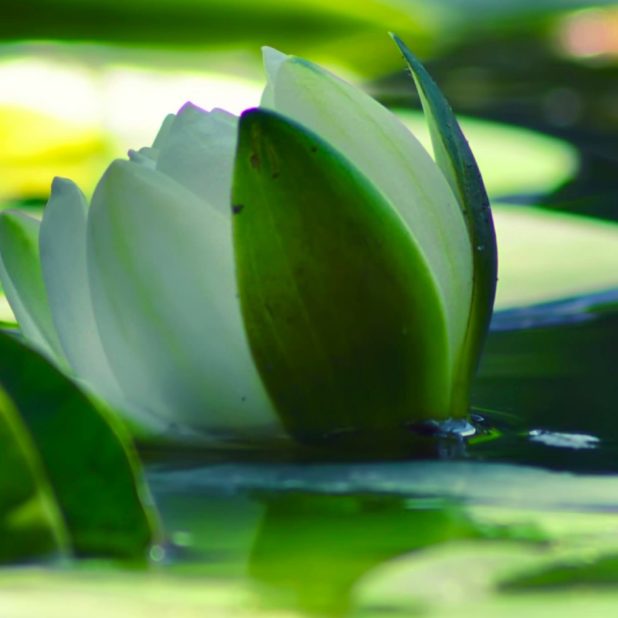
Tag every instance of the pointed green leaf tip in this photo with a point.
(455, 159)
(341, 310)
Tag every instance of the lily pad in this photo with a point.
(546, 255)
(70, 594)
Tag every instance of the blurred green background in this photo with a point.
(536, 85)
(81, 80)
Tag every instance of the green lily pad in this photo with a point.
(465, 579)
(71, 594)
(545, 255)
(86, 456)
(473, 576)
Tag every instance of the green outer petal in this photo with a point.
(164, 293)
(381, 147)
(62, 243)
(456, 160)
(20, 270)
(342, 312)
(31, 524)
(93, 472)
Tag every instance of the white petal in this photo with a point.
(164, 131)
(62, 243)
(144, 156)
(162, 276)
(20, 271)
(198, 152)
(273, 60)
(389, 155)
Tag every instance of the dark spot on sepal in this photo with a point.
(237, 208)
(255, 161)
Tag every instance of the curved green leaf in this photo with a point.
(92, 472)
(341, 309)
(456, 161)
(30, 523)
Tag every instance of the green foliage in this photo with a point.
(90, 467)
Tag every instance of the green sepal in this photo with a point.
(454, 157)
(340, 308)
(31, 525)
(92, 471)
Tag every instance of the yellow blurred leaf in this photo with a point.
(35, 147)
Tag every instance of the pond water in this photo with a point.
(526, 508)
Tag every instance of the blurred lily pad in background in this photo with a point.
(547, 256)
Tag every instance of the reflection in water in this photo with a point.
(558, 439)
(303, 537)
(315, 548)
(302, 551)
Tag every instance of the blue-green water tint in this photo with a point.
(553, 369)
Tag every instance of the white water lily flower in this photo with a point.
(344, 295)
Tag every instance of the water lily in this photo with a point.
(304, 270)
